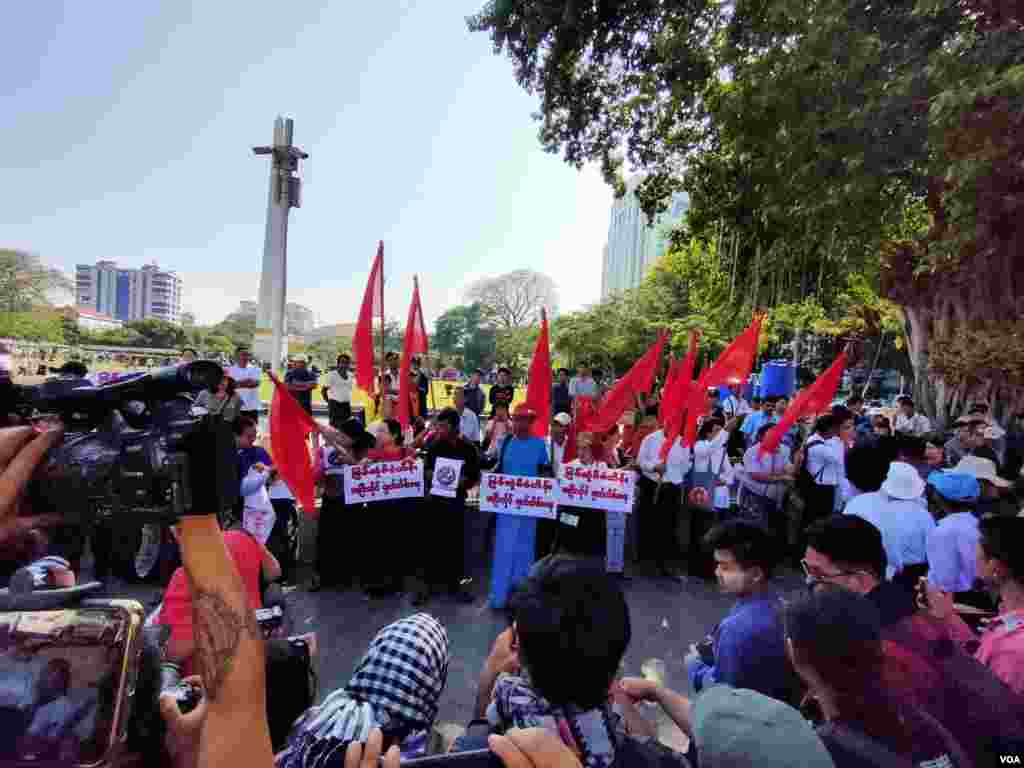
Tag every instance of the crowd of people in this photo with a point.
(905, 648)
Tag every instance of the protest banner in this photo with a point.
(596, 488)
(447, 473)
(384, 481)
(515, 495)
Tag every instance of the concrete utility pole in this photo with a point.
(285, 193)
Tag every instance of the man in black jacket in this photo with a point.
(561, 400)
(443, 520)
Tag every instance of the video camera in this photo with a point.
(123, 449)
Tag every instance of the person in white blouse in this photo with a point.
(709, 455)
(582, 531)
(660, 492)
(763, 480)
(824, 459)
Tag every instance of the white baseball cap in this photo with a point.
(563, 418)
(903, 482)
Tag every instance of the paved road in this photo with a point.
(665, 617)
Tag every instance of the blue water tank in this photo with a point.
(778, 378)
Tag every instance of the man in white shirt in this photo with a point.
(583, 383)
(823, 460)
(556, 440)
(337, 391)
(908, 422)
(247, 383)
(953, 543)
(900, 512)
(660, 491)
(469, 424)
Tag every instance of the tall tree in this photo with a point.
(817, 156)
(515, 299)
(462, 332)
(25, 281)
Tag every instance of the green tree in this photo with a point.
(32, 326)
(462, 333)
(514, 348)
(158, 333)
(895, 153)
(25, 281)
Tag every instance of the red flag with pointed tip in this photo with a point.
(639, 378)
(732, 367)
(290, 426)
(373, 306)
(816, 399)
(583, 421)
(415, 344)
(664, 407)
(678, 398)
(538, 389)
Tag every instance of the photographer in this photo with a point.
(229, 648)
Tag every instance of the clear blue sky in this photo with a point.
(127, 129)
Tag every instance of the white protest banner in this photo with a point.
(447, 473)
(596, 488)
(384, 481)
(514, 495)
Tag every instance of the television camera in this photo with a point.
(122, 452)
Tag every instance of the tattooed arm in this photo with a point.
(229, 651)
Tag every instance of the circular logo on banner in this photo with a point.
(446, 476)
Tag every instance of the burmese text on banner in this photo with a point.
(608, 489)
(517, 495)
(384, 481)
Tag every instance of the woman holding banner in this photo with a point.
(382, 576)
(581, 531)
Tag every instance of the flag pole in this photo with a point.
(381, 385)
(430, 379)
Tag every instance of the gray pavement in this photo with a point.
(666, 617)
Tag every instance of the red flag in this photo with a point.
(415, 344)
(664, 406)
(732, 367)
(583, 421)
(290, 425)
(814, 400)
(373, 306)
(639, 378)
(677, 399)
(538, 390)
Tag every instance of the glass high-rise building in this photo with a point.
(634, 244)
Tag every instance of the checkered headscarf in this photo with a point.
(396, 687)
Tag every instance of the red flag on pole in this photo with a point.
(290, 425)
(664, 407)
(538, 390)
(415, 344)
(816, 399)
(373, 306)
(639, 378)
(584, 421)
(732, 367)
(677, 399)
